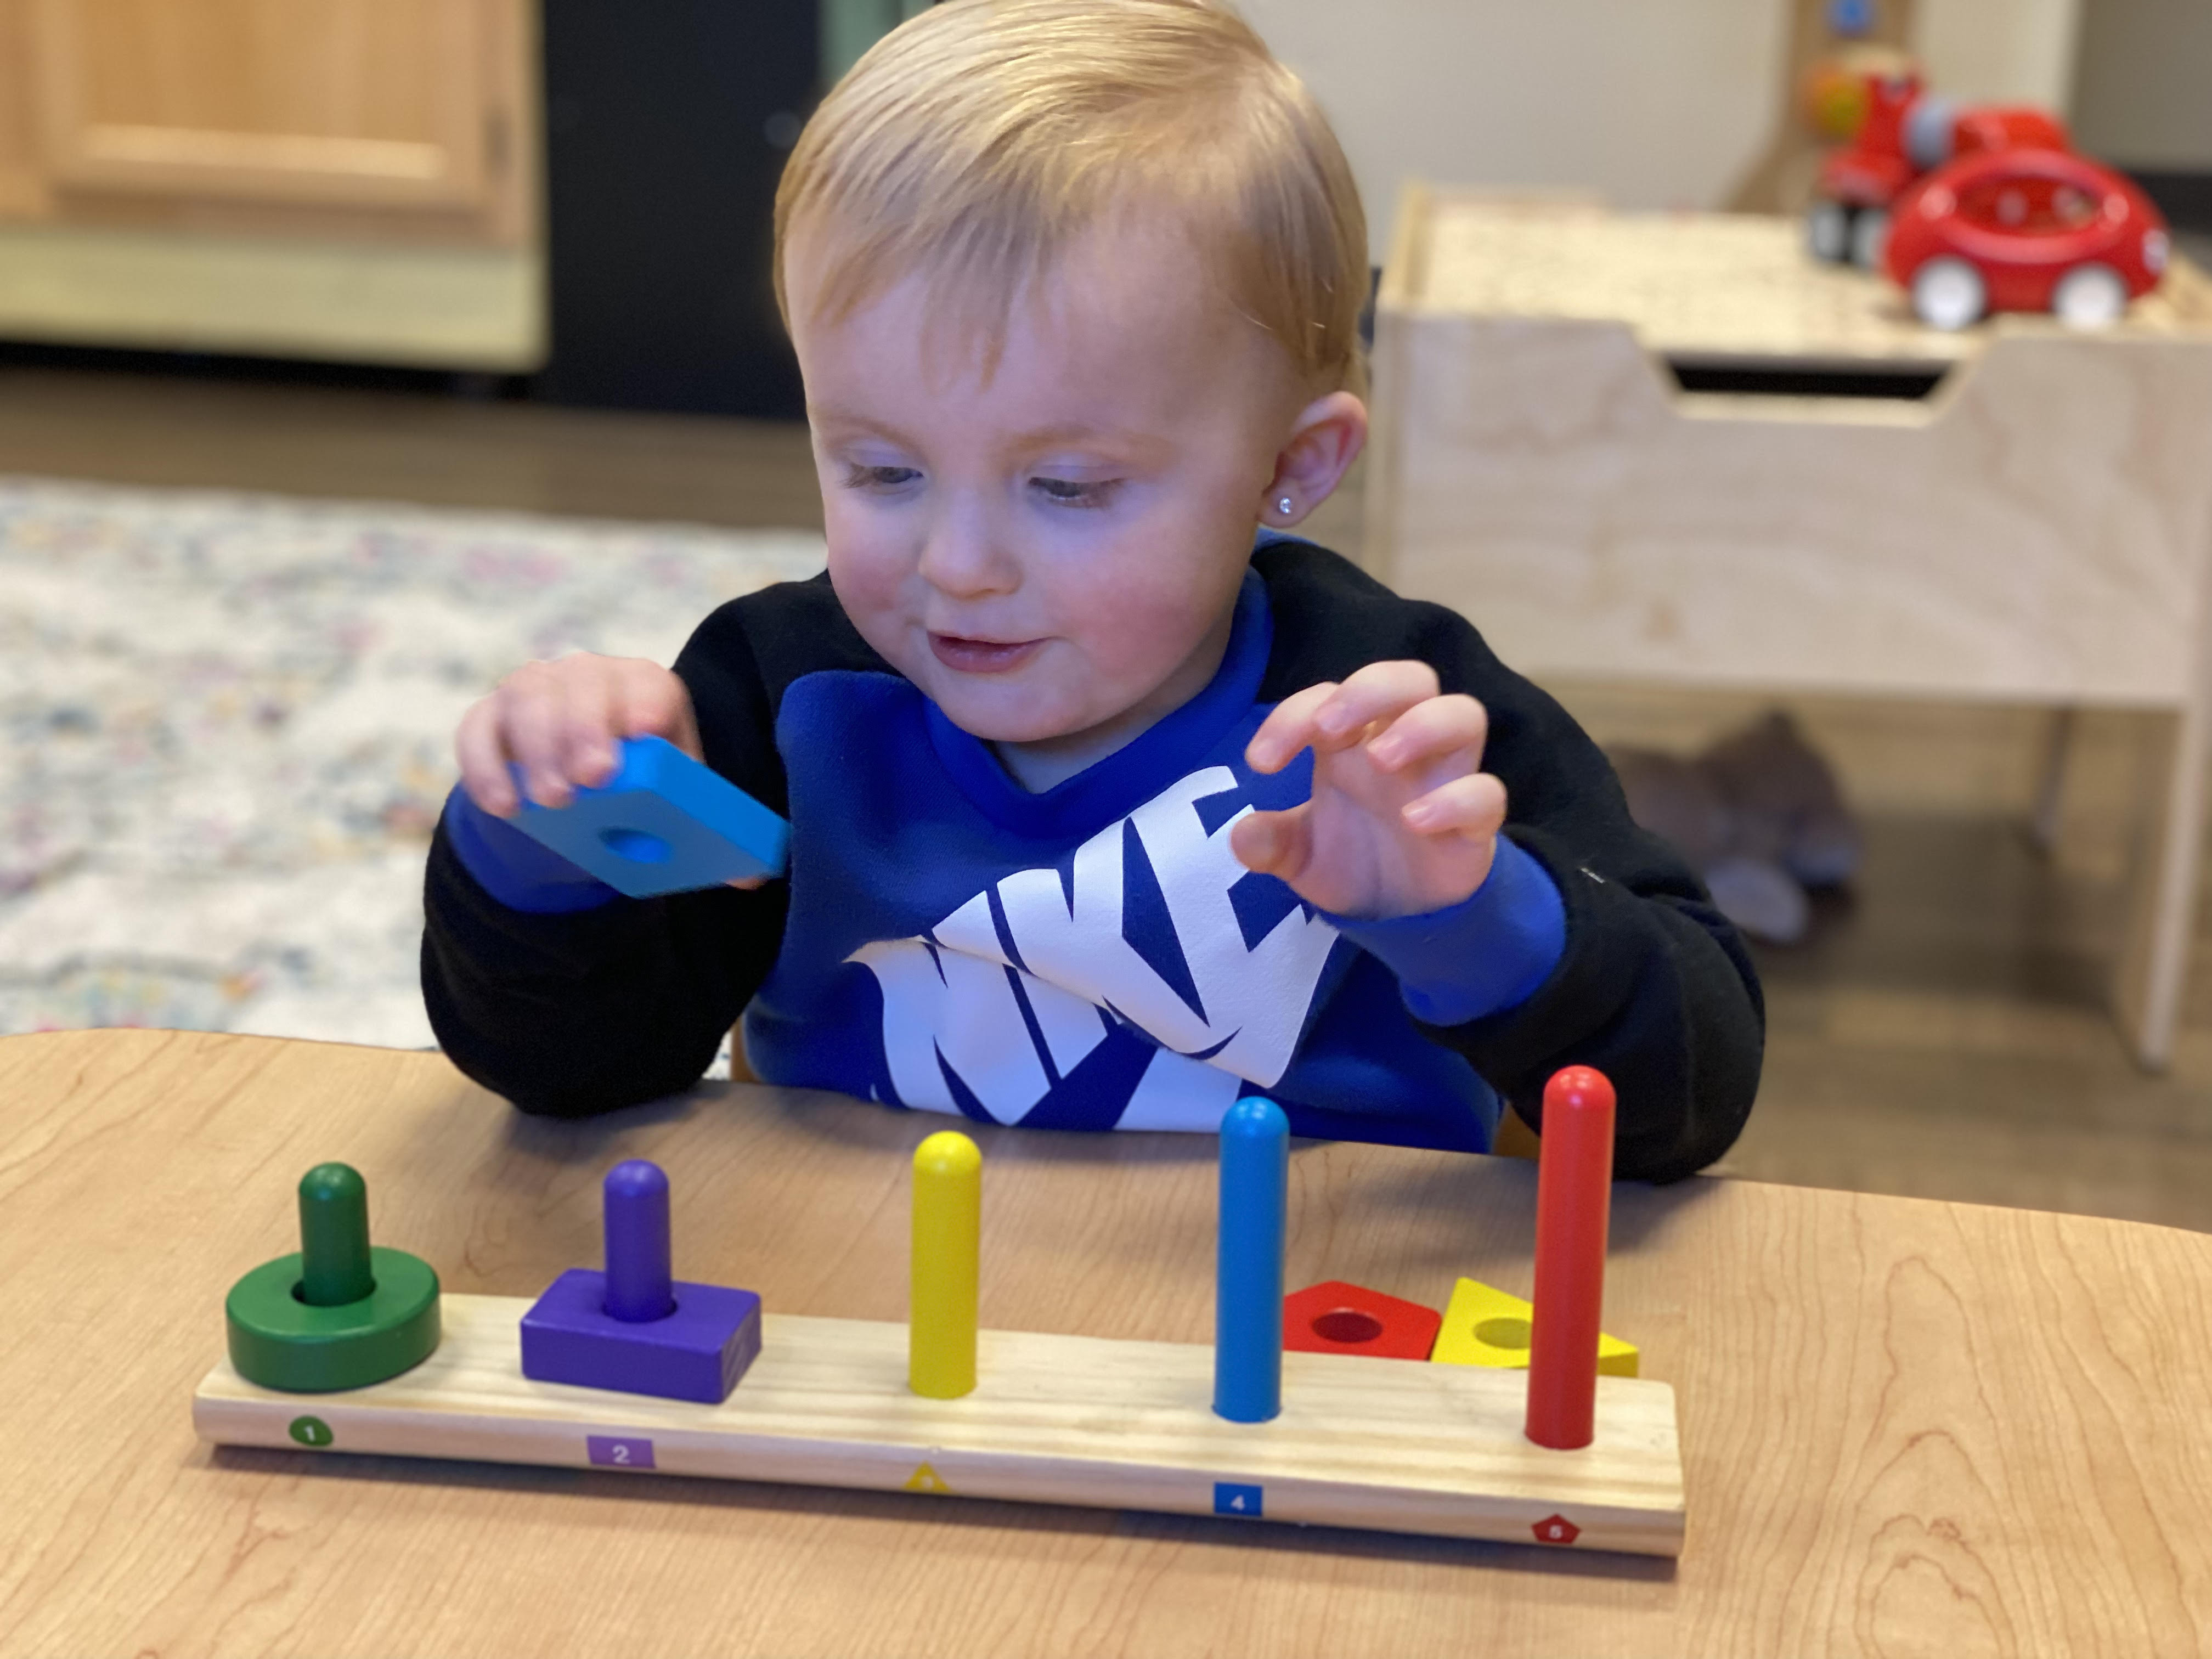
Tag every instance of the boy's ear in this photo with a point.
(1325, 439)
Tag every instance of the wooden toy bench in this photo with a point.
(2027, 518)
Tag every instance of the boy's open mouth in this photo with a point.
(982, 656)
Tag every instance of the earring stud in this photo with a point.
(1283, 505)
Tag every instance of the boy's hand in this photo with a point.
(560, 721)
(1403, 819)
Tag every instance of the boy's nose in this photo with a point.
(962, 556)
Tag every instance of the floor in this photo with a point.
(1941, 1033)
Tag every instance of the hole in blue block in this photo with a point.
(636, 846)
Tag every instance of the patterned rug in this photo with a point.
(226, 732)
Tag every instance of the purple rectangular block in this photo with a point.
(698, 1352)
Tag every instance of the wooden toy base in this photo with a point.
(1390, 1444)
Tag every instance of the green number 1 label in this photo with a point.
(310, 1432)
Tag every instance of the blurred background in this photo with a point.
(571, 204)
(352, 351)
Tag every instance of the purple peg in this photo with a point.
(633, 1328)
(640, 1279)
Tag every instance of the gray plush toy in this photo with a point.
(1759, 815)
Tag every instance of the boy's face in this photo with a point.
(1053, 553)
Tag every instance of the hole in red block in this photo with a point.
(1347, 1324)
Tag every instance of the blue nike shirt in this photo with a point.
(1092, 957)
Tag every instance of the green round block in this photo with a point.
(280, 1341)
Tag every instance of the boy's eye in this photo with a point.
(879, 477)
(1073, 492)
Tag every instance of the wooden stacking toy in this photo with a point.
(1253, 1428)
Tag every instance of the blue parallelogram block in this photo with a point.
(662, 824)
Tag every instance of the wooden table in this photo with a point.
(1908, 1427)
(2036, 529)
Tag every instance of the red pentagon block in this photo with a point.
(1340, 1318)
(1556, 1529)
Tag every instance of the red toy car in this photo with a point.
(1903, 133)
(2025, 230)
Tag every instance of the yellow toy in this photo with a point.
(948, 1225)
(1485, 1326)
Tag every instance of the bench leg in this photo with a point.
(2050, 781)
(2155, 952)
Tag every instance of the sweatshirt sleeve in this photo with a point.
(1486, 954)
(569, 1009)
(1651, 985)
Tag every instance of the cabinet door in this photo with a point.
(391, 104)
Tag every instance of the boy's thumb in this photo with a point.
(1264, 840)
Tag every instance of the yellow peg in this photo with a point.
(948, 1226)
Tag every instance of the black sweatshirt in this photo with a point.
(570, 1000)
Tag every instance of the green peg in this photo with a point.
(334, 1236)
(339, 1314)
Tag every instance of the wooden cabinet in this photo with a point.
(356, 179)
(404, 117)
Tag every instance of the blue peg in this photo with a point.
(1248, 1318)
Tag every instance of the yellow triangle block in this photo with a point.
(1485, 1326)
(926, 1478)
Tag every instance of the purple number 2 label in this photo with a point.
(619, 1453)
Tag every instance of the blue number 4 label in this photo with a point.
(1231, 1499)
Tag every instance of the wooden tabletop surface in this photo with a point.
(1908, 1427)
(1705, 287)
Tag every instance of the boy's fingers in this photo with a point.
(483, 760)
(1272, 843)
(591, 720)
(655, 702)
(1432, 730)
(559, 722)
(1472, 806)
(1287, 729)
(537, 733)
(1379, 692)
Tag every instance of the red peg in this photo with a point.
(1574, 1193)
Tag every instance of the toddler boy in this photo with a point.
(1102, 815)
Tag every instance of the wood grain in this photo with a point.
(1383, 1444)
(1907, 1427)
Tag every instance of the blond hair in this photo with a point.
(981, 138)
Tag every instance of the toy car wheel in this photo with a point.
(1869, 232)
(1828, 232)
(1950, 293)
(2089, 297)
